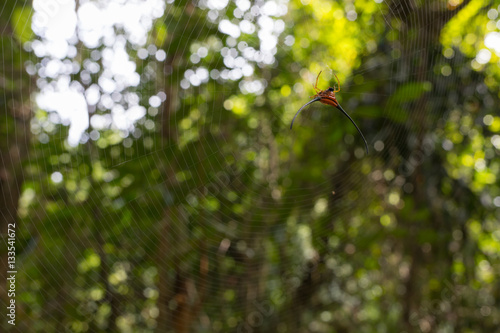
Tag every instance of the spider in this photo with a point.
(327, 97)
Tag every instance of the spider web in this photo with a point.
(187, 204)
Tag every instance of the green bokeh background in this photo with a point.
(215, 217)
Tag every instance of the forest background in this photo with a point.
(154, 185)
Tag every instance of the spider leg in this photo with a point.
(316, 85)
(303, 106)
(352, 121)
(338, 83)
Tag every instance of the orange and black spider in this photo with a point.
(327, 97)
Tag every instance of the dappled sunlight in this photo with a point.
(151, 181)
(71, 106)
(94, 25)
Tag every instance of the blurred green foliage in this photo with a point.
(212, 216)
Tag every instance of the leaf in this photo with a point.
(405, 93)
(161, 34)
(21, 23)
